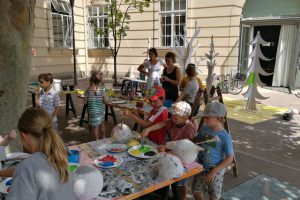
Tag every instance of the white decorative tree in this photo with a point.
(211, 63)
(185, 53)
(253, 72)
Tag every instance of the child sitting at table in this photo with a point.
(190, 91)
(95, 100)
(217, 155)
(48, 99)
(159, 113)
(180, 127)
(44, 174)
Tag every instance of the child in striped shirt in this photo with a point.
(48, 99)
(95, 100)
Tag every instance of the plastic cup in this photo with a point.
(74, 157)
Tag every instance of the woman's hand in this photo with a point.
(145, 133)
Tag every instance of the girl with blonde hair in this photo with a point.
(45, 174)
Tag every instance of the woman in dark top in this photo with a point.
(170, 79)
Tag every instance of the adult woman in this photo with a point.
(170, 79)
(45, 174)
(153, 67)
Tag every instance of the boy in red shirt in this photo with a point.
(159, 113)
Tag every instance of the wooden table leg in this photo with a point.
(113, 115)
(33, 99)
(69, 102)
(83, 115)
(106, 113)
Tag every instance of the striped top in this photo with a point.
(49, 101)
(95, 101)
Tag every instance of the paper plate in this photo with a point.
(116, 148)
(108, 161)
(138, 152)
(5, 185)
(73, 166)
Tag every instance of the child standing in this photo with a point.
(180, 128)
(48, 99)
(45, 174)
(95, 100)
(159, 113)
(217, 155)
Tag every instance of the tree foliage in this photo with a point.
(118, 22)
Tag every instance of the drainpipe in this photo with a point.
(74, 51)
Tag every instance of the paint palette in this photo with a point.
(147, 151)
(108, 161)
(5, 185)
(116, 148)
(73, 166)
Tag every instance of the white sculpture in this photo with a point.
(211, 63)
(121, 132)
(185, 149)
(88, 182)
(185, 53)
(253, 72)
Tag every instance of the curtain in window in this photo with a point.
(285, 55)
(295, 72)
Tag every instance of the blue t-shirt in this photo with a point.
(216, 151)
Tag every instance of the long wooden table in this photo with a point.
(90, 151)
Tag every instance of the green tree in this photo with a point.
(118, 23)
(16, 31)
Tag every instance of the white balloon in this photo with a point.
(185, 149)
(121, 132)
(88, 182)
(295, 111)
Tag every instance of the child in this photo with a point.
(159, 113)
(45, 174)
(48, 98)
(170, 79)
(153, 65)
(181, 128)
(217, 155)
(190, 91)
(95, 100)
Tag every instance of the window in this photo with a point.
(172, 17)
(62, 23)
(97, 21)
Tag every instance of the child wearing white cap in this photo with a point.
(180, 127)
(217, 155)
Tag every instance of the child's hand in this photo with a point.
(162, 148)
(145, 133)
(211, 175)
(11, 135)
(127, 112)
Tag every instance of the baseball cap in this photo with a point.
(181, 108)
(214, 109)
(155, 92)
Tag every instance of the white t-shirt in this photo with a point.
(154, 70)
(191, 90)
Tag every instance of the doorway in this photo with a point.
(269, 34)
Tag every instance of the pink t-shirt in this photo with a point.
(186, 131)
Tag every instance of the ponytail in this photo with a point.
(38, 123)
(54, 149)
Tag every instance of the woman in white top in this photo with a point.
(153, 66)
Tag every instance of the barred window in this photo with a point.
(172, 18)
(62, 23)
(97, 21)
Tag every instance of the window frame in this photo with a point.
(98, 19)
(173, 13)
(63, 14)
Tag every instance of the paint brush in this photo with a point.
(215, 139)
